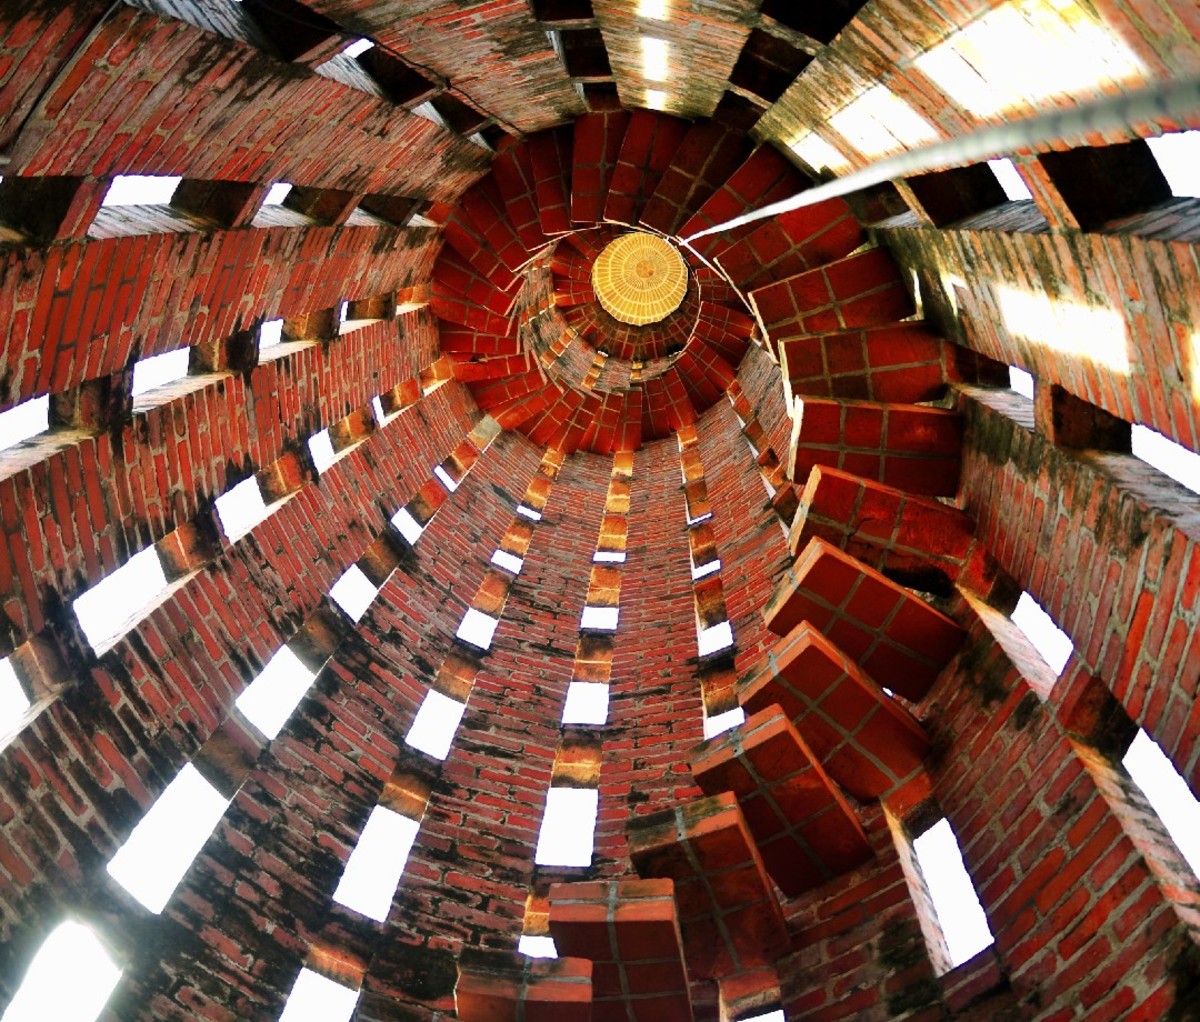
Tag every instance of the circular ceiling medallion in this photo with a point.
(639, 279)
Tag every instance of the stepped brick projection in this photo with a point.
(413, 546)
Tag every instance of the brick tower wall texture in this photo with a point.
(331, 493)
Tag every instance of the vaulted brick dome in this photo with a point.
(465, 556)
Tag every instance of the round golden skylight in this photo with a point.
(639, 279)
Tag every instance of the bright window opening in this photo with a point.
(705, 569)
(699, 518)
(150, 864)
(656, 99)
(881, 122)
(317, 999)
(358, 47)
(159, 370)
(1015, 188)
(1168, 794)
(434, 726)
(409, 527)
(24, 421)
(723, 722)
(477, 628)
(241, 508)
(655, 62)
(13, 701)
(507, 561)
(818, 154)
(140, 190)
(654, 10)
(69, 980)
(1064, 50)
(1048, 639)
(445, 478)
(353, 592)
(106, 609)
(1020, 381)
(1178, 157)
(587, 703)
(537, 947)
(959, 914)
(321, 448)
(718, 637)
(530, 513)
(269, 699)
(609, 557)
(377, 409)
(568, 828)
(277, 193)
(602, 618)
(373, 870)
(270, 333)
(1167, 456)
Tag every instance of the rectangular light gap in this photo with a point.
(655, 59)
(353, 592)
(1048, 639)
(1168, 794)
(959, 913)
(507, 561)
(23, 421)
(609, 557)
(723, 722)
(1167, 456)
(71, 950)
(530, 513)
(268, 701)
(373, 871)
(408, 526)
(705, 570)
(159, 370)
(568, 827)
(477, 628)
(436, 723)
(317, 999)
(14, 703)
(654, 10)
(587, 703)
(1015, 188)
(1020, 381)
(320, 446)
(150, 864)
(377, 409)
(241, 508)
(699, 518)
(656, 99)
(277, 193)
(600, 618)
(537, 947)
(445, 478)
(358, 47)
(270, 333)
(140, 190)
(1178, 157)
(716, 638)
(106, 610)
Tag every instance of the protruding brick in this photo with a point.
(501, 986)
(805, 829)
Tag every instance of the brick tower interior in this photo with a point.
(439, 515)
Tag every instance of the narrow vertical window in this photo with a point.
(269, 699)
(1168, 794)
(69, 980)
(317, 999)
(374, 868)
(568, 827)
(435, 725)
(1047, 638)
(163, 845)
(959, 913)
(13, 701)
